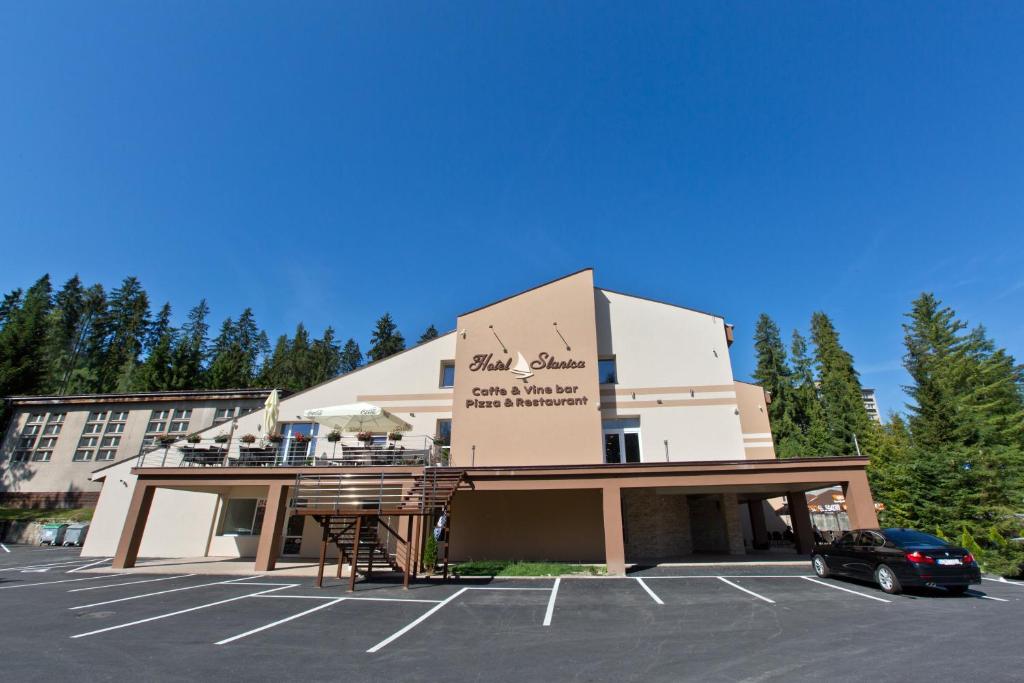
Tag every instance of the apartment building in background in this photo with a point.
(871, 404)
(52, 444)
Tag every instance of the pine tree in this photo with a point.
(79, 374)
(127, 328)
(189, 354)
(225, 359)
(157, 372)
(386, 340)
(23, 367)
(325, 356)
(11, 302)
(275, 372)
(814, 438)
(62, 336)
(351, 357)
(428, 334)
(774, 375)
(839, 388)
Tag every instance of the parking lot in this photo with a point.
(60, 619)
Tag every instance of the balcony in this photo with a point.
(317, 452)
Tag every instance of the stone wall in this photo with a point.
(656, 526)
(733, 524)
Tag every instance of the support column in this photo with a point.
(134, 526)
(273, 527)
(614, 546)
(801, 520)
(860, 506)
(758, 524)
(733, 528)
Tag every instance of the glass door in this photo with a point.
(298, 443)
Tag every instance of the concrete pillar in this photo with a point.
(757, 524)
(134, 526)
(271, 532)
(614, 547)
(860, 506)
(733, 528)
(800, 516)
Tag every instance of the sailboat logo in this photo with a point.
(521, 369)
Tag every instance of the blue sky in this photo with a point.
(325, 162)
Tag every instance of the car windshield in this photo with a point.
(910, 537)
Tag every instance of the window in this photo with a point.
(115, 427)
(242, 517)
(156, 427)
(88, 442)
(98, 416)
(447, 374)
(30, 430)
(223, 415)
(41, 456)
(47, 442)
(20, 456)
(57, 417)
(111, 441)
(94, 428)
(444, 432)
(177, 427)
(27, 442)
(35, 417)
(606, 371)
(183, 414)
(181, 418)
(621, 440)
(903, 537)
(82, 455)
(119, 416)
(106, 455)
(158, 421)
(52, 429)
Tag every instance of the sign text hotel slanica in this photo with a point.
(526, 395)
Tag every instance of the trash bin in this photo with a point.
(75, 535)
(53, 534)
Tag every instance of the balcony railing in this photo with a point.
(318, 452)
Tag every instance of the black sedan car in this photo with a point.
(896, 558)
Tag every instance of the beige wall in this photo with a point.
(528, 525)
(61, 474)
(674, 373)
(510, 431)
(757, 429)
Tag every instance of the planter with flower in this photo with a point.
(366, 438)
(166, 439)
(192, 438)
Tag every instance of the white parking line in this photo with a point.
(649, 591)
(91, 564)
(6, 549)
(129, 583)
(974, 594)
(736, 585)
(47, 565)
(149, 595)
(416, 622)
(335, 601)
(1001, 580)
(847, 590)
(47, 583)
(326, 597)
(181, 611)
(504, 588)
(551, 603)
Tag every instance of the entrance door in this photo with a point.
(621, 440)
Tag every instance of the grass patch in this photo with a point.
(66, 515)
(521, 568)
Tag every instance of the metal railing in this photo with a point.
(316, 452)
(389, 492)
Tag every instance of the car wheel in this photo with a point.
(887, 580)
(820, 566)
(956, 590)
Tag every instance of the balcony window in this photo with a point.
(444, 432)
(447, 374)
(621, 440)
(606, 371)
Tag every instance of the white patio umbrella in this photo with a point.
(357, 417)
(270, 411)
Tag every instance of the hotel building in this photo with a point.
(566, 423)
